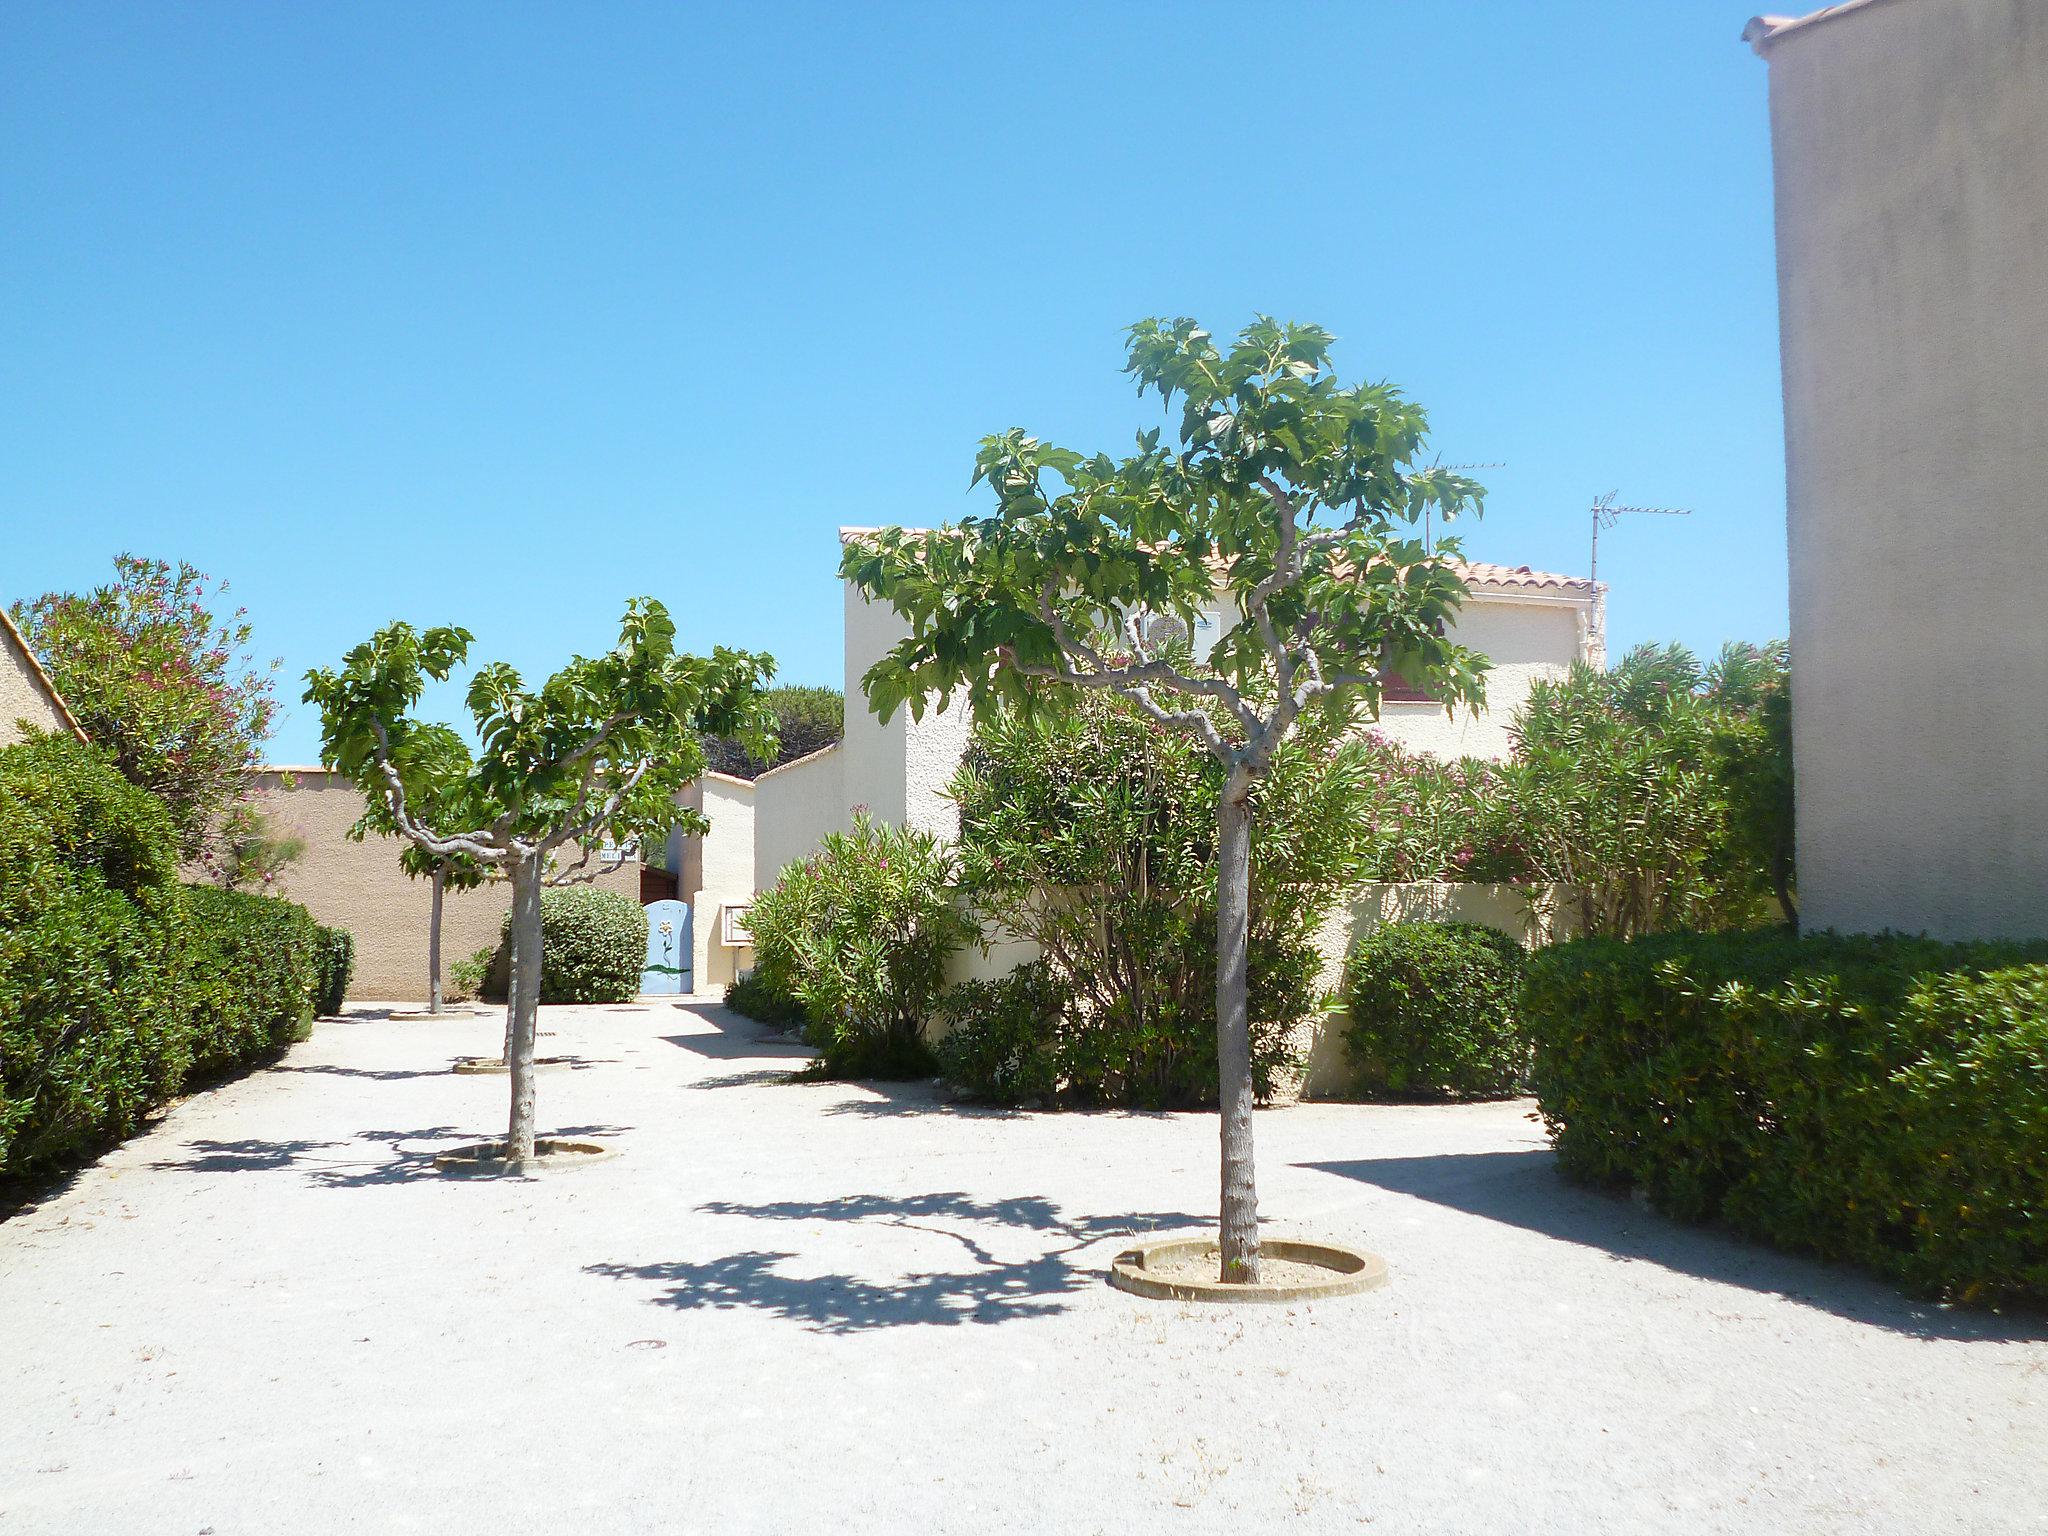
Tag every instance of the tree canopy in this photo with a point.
(808, 718)
(162, 684)
(598, 750)
(1288, 501)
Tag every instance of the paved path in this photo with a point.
(816, 1308)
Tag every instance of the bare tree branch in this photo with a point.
(602, 816)
(471, 843)
(1140, 677)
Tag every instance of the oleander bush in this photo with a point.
(859, 934)
(1092, 835)
(337, 965)
(1878, 1099)
(1431, 1010)
(253, 966)
(1004, 1038)
(592, 942)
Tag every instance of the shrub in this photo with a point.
(254, 965)
(1432, 819)
(752, 997)
(1092, 834)
(592, 945)
(116, 984)
(93, 1024)
(1878, 1099)
(1660, 792)
(1003, 1040)
(860, 934)
(337, 964)
(1432, 1010)
(470, 977)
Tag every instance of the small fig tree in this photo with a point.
(598, 751)
(435, 766)
(1283, 508)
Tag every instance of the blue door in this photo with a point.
(668, 948)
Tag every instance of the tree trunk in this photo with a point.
(522, 1005)
(434, 942)
(1240, 1224)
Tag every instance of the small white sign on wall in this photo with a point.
(733, 932)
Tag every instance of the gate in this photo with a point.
(668, 948)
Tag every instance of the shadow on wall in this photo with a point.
(984, 1290)
(1524, 1190)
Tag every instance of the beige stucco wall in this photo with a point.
(359, 886)
(1527, 639)
(794, 807)
(1911, 144)
(872, 770)
(719, 872)
(24, 693)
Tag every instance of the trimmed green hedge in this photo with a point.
(1432, 1010)
(92, 937)
(114, 980)
(1877, 1099)
(253, 965)
(592, 945)
(337, 965)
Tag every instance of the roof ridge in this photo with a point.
(1764, 30)
(35, 665)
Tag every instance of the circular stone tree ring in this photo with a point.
(1186, 1269)
(485, 1065)
(550, 1154)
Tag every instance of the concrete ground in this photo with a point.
(798, 1308)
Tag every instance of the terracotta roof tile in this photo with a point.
(1480, 575)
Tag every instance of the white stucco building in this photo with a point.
(1532, 624)
(1910, 140)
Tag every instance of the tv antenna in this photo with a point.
(1438, 463)
(1606, 514)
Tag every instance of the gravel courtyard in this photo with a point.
(797, 1308)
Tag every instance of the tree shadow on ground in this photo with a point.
(986, 1290)
(753, 1079)
(1525, 1190)
(922, 1096)
(330, 1165)
(731, 1045)
(377, 1074)
(246, 1156)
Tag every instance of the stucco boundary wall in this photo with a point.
(1532, 914)
(359, 886)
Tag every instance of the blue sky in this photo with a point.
(499, 314)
